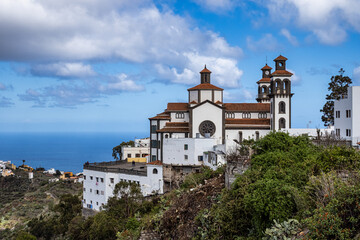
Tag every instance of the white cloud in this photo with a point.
(328, 20)
(216, 5)
(356, 75)
(267, 43)
(4, 87)
(5, 102)
(57, 37)
(73, 93)
(101, 29)
(122, 83)
(225, 72)
(292, 39)
(295, 79)
(63, 70)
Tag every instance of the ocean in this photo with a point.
(62, 151)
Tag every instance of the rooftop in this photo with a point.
(118, 167)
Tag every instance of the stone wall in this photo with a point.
(236, 165)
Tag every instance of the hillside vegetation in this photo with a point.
(292, 190)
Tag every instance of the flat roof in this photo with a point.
(118, 167)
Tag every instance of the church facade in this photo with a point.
(205, 122)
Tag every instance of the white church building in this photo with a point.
(186, 132)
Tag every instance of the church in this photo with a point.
(185, 132)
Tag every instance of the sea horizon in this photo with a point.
(64, 151)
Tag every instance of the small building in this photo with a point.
(347, 116)
(138, 153)
(100, 180)
(7, 173)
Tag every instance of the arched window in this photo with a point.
(246, 115)
(282, 107)
(281, 123)
(166, 135)
(230, 115)
(278, 86)
(287, 86)
(257, 136)
(264, 90)
(155, 171)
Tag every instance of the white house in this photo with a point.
(347, 116)
(100, 180)
(205, 121)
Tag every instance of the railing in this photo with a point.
(115, 170)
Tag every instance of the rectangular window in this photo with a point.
(111, 180)
(97, 179)
(154, 143)
(137, 155)
(153, 128)
(97, 192)
(102, 180)
(84, 200)
(84, 177)
(348, 132)
(90, 190)
(144, 155)
(129, 155)
(102, 192)
(186, 135)
(186, 157)
(257, 136)
(91, 177)
(186, 147)
(84, 189)
(240, 137)
(200, 158)
(348, 113)
(153, 158)
(337, 132)
(337, 114)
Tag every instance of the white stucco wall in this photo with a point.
(231, 134)
(218, 96)
(148, 184)
(174, 150)
(276, 100)
(193, 96)
(205, 95)
(352, 102)
(201, 113)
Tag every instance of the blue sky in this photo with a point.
(109, 65)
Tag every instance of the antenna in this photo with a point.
(266, 60)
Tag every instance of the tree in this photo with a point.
(117, 150)
(338, 87)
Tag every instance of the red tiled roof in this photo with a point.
(218, 102)
(282, 72)
(205, 86)
(205, 70)
(193, 102)
(252, 107)
(177, 107)
(266, 67)
(157, 162)
(264, 80)
(177, 124)
(280, 58)
(177, 127)
(161, 116)
(247, 121)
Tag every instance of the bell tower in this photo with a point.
(205, 75)
(280, 95)
(264, 85)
